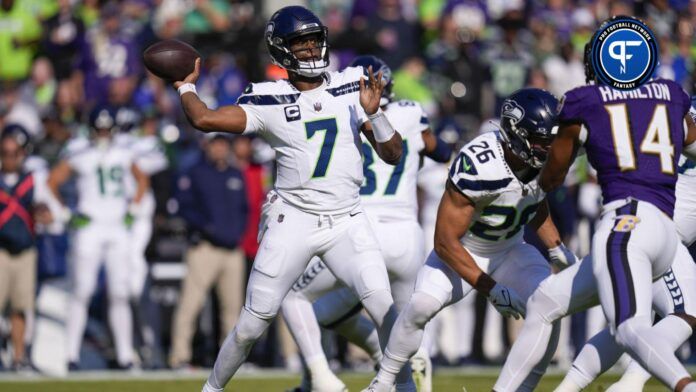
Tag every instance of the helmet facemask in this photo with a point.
(288, 59)
(528, 146)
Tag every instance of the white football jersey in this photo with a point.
(687, 167)
(503, 203)
(101, 180)
(149, 157)
(315, 135)
(148, 151)
(390, 190)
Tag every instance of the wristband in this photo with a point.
(556, 250)
(381, 127)
(484, 284)
(187, 88)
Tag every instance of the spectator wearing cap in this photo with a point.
(20, 210)
(213, 202)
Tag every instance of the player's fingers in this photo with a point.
(379, 78)
(197, 66)
(371, 76)
(361, 82)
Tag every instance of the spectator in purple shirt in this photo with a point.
(109, 54)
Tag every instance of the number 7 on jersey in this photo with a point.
(329, 126)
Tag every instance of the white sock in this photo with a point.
(568, 385)
(121, 322)
(302, 323)
(530, 348)
(208, 388)
(407, 336)
(75, 326)
(235, 348)
(532, 380)
(318, 367)
(653, 346)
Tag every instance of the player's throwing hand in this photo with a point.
(192, 77)
(370, 94)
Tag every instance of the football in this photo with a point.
(171, 60)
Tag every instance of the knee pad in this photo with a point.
(421, 308)
(373, 278)
(263, 302)
(378, 304)
(249, 327)
(546, 308)
(628, 332)
(83, 290)
(118, 292)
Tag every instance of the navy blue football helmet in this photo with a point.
(377, 66)
(102, 118)
(287, 24)
(528, 120)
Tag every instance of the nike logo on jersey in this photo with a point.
(466, 165)
(352, 214)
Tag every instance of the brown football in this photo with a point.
(171, 59)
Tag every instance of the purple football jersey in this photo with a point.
(634, 138)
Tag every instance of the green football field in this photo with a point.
(449, 382)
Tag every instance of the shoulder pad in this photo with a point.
(277, 92)
(473, 177)
(344, 82)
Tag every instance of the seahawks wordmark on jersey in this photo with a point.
(390, 190)
(316, 138)
(503, 204)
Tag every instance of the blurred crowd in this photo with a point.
(59, 59)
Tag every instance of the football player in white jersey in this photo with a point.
(492, 192)
(389, 198)
(150, 159)
(313, 122)
(138, 134)
(101, 234)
